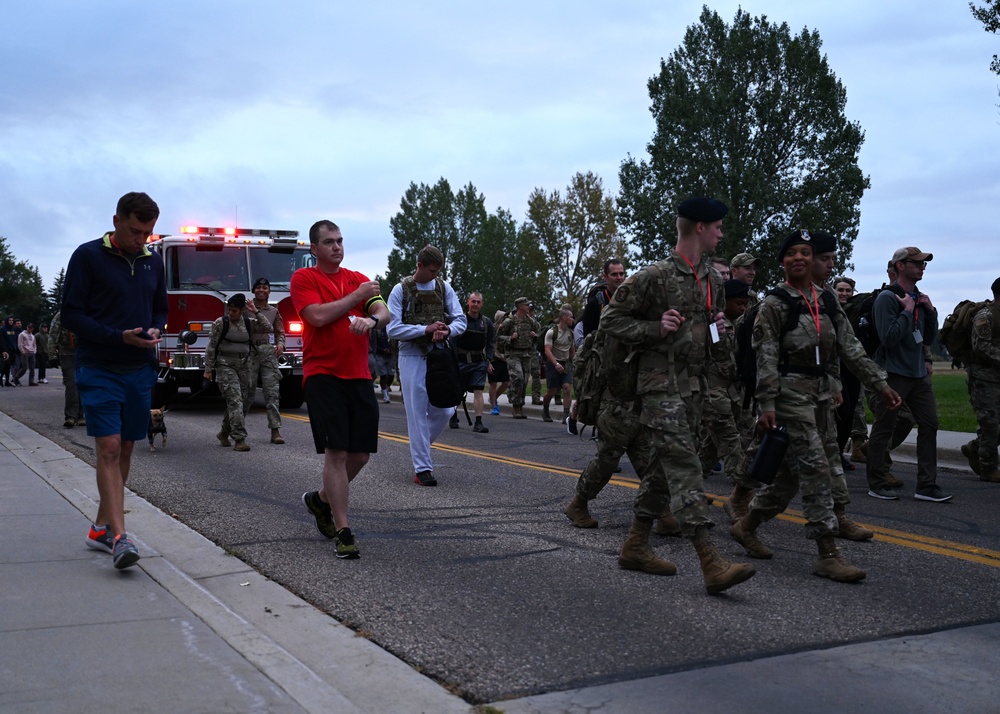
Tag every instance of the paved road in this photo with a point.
(483, 585)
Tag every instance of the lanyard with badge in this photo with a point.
(918, 336)
(814, 312)
(713, 329)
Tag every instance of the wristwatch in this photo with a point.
(374, 317)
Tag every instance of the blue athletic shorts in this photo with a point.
(116, 403)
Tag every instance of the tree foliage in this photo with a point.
(577, 233)
(989, 15)
(21, 290)
(753, 116)
(426, 215)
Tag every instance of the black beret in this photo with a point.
(996, 287)
(794, 238)
(823, 243)
(238, 300)
(736, 289)
(262, 281)
(705, 210)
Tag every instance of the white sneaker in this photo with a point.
(385, 396)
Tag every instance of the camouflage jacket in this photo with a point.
(986, 344)
(675, 363)
(795, 393)
(523, 326)
(237, 341)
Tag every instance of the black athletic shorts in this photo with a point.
(501, 373)
(343, 414)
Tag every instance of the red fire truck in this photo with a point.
(204, 267)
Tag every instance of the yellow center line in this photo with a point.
(928, 544)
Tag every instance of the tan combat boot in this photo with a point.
(848, 529)
(744, 531)
(519, 412)
(578, 512)
(637, 555)
(223, 438)
(738, 503)
(992, 476)
(970, 452)
(667, 524)
(859, 454)
(241, 445)
(276, 437)
(831, 565)
(719, 573)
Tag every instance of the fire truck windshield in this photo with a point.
(233, 268)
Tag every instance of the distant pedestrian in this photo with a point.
(559, 353)
(499, 375)
(475, 349)
(115, 301)
(42, 356)
(339, 308)
(65, 347)
(27, 347)
(268, 348)
(984, 388)
(516, 336)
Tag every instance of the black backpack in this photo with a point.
(246, 323)
(746, 356)
(443, 387)
(859, 312)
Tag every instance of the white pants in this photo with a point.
(423, 421)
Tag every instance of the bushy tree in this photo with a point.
(577, 233)
(426, 215)
(989, 15)
(54, 295)
(752, 115)
(21, 290)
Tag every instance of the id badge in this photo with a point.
(917, 337)
(713, 330)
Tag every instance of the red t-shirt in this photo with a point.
(331, 349)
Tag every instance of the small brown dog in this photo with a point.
(156, 426)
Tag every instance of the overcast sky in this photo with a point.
(278, 114)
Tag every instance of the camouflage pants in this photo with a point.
(519, 364)
(265, 364)
(719, 437)
(620, 432)
(72, 409)
(812, 450)
(536, 377)
(671, 424)
(838, 482)
(985, 398)
(238, 386)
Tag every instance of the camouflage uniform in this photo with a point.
(65, 348)
(801, 395)
(671, 377)
(719, 435)
(621, 432)
(518, 352)
(233, 365)
(536, 378)
(984, 384)
(264, 363)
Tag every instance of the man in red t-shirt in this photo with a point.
(339, 307)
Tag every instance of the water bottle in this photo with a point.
(770, 454)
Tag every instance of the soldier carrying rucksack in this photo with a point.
(972, 333)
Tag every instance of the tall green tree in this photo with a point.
(426, 215)
(577, 232)
(989, 15)
(21, 291)
(752, 115)
(509, 263)
(55, 294)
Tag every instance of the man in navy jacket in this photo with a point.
(115, 300)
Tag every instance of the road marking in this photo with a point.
(928, 544)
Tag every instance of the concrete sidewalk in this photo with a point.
(188, 629)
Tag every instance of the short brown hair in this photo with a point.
(139, 205)
(314, 229)
(430, 256)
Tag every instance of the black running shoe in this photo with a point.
(346, 547)
(571, 426)
(324, 518)
(425, 478)
(480, 429)
(453, 422)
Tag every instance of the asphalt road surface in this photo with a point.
(483, 584)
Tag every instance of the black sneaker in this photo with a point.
(453, 422)
(571, 426)
(932, 493)
(324, 518)
(885, 493)
(346, 547)
(124, 554)
(425, 478)
(479, 428)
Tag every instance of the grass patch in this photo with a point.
(952, 395)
